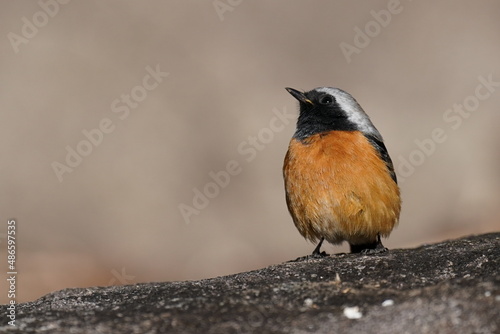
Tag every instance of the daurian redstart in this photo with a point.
(339, 179)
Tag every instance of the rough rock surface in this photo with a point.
(450, 287)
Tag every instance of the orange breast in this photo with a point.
(338, 188)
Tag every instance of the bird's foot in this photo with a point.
(316, 254)
(311, 257)
(371, 248)
(368, 251)
(317, 251)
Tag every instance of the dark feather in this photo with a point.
(384, 155)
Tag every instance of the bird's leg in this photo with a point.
(317, 252)
(370, 248)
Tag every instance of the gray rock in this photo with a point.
(450, 287)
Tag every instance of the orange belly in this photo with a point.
(338, 188)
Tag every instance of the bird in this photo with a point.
(339, 179)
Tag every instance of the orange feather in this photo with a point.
(337, 187)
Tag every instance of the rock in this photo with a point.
(449, 287)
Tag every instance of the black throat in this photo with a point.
(315, 119)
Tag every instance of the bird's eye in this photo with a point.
(326, 100)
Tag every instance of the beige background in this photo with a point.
(115, 218)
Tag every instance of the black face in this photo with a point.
(319, 112)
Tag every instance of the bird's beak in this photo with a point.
(299, 95)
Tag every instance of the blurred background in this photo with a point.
(116, 116)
